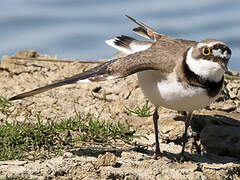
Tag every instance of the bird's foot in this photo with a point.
(162, 156)
(157, 154)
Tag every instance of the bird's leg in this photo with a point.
(187, 123)
(157, 152)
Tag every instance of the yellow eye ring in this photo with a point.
(206, 51)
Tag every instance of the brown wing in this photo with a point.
(160, 56)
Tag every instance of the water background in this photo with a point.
(77, 28)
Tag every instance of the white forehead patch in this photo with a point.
(219, 53)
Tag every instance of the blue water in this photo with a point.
(77, 28)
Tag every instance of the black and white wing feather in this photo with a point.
(128, 45)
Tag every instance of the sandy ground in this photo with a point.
(217, 126)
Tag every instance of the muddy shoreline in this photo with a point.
(217, 126)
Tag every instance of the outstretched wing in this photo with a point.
(146, 31)
(151, 59)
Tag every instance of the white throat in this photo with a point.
(204, 68)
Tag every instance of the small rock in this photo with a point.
(232, 94)
(171, 129)
(108, 159)
(226, 106)
(67, 155)
(27, 54)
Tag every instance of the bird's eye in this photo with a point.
(206, 51)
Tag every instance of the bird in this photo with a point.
(178, 74)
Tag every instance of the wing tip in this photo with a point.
(131, 18)
(121, 43)
(14, 98)
(118, 39)
(110, 42)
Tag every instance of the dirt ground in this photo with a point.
(213, 149)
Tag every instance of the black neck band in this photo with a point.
(213, 88)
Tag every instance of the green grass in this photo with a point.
(143, 111)
(24, 140)
(5, 106)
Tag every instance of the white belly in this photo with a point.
(167, 92)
